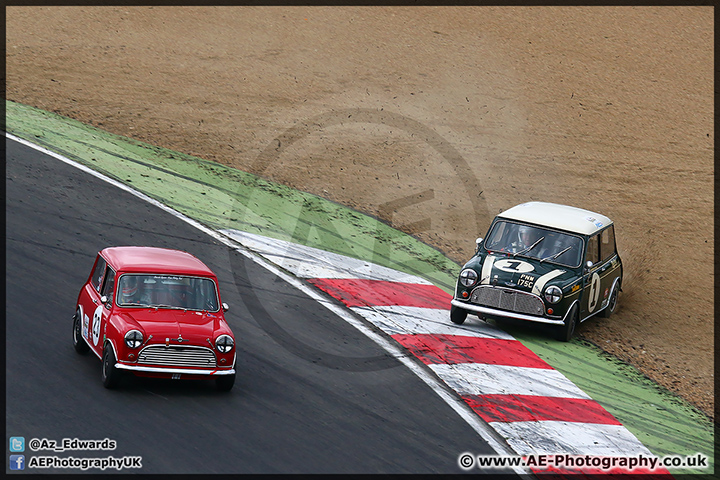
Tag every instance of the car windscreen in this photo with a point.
(535, 242)
(167, 291)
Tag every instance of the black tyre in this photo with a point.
(612, 303)
(457, 315)
(110, 374)
(224, 383)
(78, 342)
(566, 332)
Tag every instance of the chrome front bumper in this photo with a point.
(172, 370)
(477, 309)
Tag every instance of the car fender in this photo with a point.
(124, 322)
(234, 356)
(224, 330)
(82, 324)
(113, 327)
(617, 283)
(112, 345)
(569, 309)
(221, 327)
(82, 314)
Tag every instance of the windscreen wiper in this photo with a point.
(530, 247)
(557, 254)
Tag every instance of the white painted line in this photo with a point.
(309, 262)
(486, 379)
(489, 435)
(393, 320)
(553, 437)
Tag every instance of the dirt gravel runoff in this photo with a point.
(459, 113)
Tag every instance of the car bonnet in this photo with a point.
(522, 273)
(190, 325)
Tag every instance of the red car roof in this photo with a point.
(154, 260)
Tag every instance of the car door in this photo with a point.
(90, 297)
(599, 278)
(590, 299)
(609, 269)
(100, 311)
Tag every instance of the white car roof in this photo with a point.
(562, 217)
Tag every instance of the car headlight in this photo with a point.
(468, 277)
(553, 294)
(224, 343)
(133, 338)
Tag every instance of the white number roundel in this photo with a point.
(97, 316)
(594, 293)
(514, 266)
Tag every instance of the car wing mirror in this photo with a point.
(589, 264)
(478, 242)
(225, 307)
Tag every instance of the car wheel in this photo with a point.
(78, 342)
(110, 374)
(457, 315)
(565, 332)
(612, 303)
(224, 383)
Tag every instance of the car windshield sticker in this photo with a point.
(486, 270)
(540, 282)
(594, 293)
(96, 324)
(514, 266)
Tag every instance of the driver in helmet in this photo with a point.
(526, 236)
(131, 291)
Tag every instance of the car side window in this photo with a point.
(593, 250)
(109, 285)
(607, 243)
(98, 273)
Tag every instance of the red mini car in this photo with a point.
(156, 313)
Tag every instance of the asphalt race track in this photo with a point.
(287, 413)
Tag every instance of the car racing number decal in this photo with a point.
(594, 293)
(514, 266)
(97, 316)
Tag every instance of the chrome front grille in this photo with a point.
(507, 299)
(178, 356)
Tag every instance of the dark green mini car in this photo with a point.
(542, 262)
